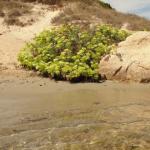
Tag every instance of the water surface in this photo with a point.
(42, 114)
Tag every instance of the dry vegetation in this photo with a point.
(11, 10)
(75, 11)
(80, 12)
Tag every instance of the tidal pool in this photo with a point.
(40, 114)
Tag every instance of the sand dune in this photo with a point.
(13, 38)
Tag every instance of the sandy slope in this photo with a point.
(13, 38)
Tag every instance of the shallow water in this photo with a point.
(42, 114)
(139, 7)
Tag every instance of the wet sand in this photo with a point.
(40, 114)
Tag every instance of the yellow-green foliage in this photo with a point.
(70, 53)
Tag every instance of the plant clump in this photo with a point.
(69, 52)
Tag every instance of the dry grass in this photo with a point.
(11, 10)
(75, 11)
(2, 13)
(51, 2)
(80, 12)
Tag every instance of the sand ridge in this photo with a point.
(13, 38)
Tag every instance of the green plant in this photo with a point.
(69, 52)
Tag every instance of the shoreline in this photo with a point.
(32, 109)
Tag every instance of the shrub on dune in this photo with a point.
(69, 52)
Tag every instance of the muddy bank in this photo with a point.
(41, 114)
